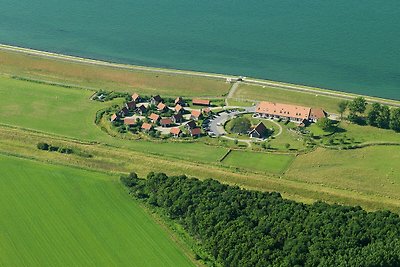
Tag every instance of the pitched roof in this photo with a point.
(207, 110)
(147, 126)
(135, 96)
(178, 100)
(175, 130)
(142, 108)
(284, 110)
(195, 131)
(317, 113)
(196, 113)
(191, 124)
(260, 129)
(161, 106)
(131, 104)
(125, 110)
(178, 108)
(165, 121)
(154, 117)
(177, 117)
(197, 101)
(129, 120)
(157, 98)
(114, 117)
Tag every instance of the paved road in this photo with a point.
(232, 92)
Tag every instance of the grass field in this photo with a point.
(60, 216)
(260, 93)
(109, 78)
(262, 162)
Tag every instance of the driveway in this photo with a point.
(216, 125)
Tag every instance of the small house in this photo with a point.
(195, 132)
(175, 132)
(141, 110)
(155, 100)
(146, 127)
(131, 105)
(201, 102)
(191, 125)
(136, 98)
(260, 131)
(316, 114)
(129, 121)
(165, 122)
(177, 118)
(196, 114)
(124, 111)
(154, 117)
(162, 107)
(114, 117)
(179, 109)
(179, 101)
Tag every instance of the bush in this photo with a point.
(240, 125)
(43, 146)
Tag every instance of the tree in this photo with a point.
(325, 124)
(287, 145)
(373, 114)
(383, 119)
(395, 120)
(358, 105)
(240, 125)
(43, 146)
(341, 108)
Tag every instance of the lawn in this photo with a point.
(370, 170)
(259, 162)
(109, 78)
(61, 216)
(260, 93)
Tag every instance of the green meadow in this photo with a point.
(62, 216)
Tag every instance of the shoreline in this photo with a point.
(246, 80)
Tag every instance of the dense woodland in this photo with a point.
(250, 228)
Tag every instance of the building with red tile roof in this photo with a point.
(176, 132)
(201, 102)
(195, 114)
(284, 111)
(147, 126)
(154, 117)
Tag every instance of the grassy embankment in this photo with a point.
(193, 159)
(62, 216)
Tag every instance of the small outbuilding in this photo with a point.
(201, 102)
(260, 131)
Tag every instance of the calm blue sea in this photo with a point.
(348, 45)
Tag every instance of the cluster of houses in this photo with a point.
(179, 115)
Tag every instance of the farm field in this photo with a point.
(108, 78)
(263, 162)
(61, 216)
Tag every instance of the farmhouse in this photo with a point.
(155, 100)
(136, 98)
(293, 113)
(161, 106)
(165, 122)
(175, 132)
(129, 121)
(154, 117)
(179, 109)
(201, 102)
(147, 127)
(259, 131)
(195, 132)
(177, 118)
(131, 105)
(141, 110)
(196, 114)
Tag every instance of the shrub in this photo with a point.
(43, 146)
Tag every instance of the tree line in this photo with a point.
(239, 227)
(378, 115)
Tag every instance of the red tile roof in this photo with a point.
(196, 113)
(204, 102)
(195, 131)
(114, 117)
(135, 96)
(129, 120)
(178, 100)
(147, 126)
(178, 108)
(161, 106)
(175, 131)
(317, 113)
(154, 117)
(166, 121)
(284, 110)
